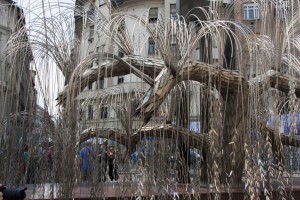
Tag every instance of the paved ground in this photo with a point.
(119, 190)
(115, 190)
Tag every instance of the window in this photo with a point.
(103, 113)
(153, 15)
(91, 52)
(90, 86)
(173, 44)
(251, 11)
(173, 11)
(173, 48)
(81, 115)
(120, 54)
(97, 49)
(215, 48)
(101, 83)
(151, 46)
(197, 54)
(90, 112)
(282, 8)
(120, 79)
(91, 36)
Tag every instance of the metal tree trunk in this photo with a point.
(235, 128)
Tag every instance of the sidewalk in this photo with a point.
(131, 184)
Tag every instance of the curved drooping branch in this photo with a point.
(35, 118)
(124, 111)
(49, 38)
(223, 79)
(285, 139)
(277, 80)
(197, 71)
(164, 82)
(111, 65)
(165, 32)
(111, 134)
(196, 140)
(204, 73)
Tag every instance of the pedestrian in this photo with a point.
(25, 159)
(112, 166)
(25, 162)
(87, 161)
(50, 157)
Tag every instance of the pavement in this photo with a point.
(136, 188)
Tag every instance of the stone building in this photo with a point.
(88, 17)
(17, 80)
(91, 42)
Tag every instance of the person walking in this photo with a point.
(87, 161)
(112, 166)
(25, 160)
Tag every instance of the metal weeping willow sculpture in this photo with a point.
(238, 98)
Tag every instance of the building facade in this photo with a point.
(90, 16)
(91, 42)
(17, 80)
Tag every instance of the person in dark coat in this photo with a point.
(112, 166)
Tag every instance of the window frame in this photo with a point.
(153, 15)
(151, 46)
(90, 112)
(173, 47)
(91, 32)
(247, 8)
(103, 113)
(173, 15)
(120, 53)
(101, 83)
(173, 44)
(120, 80)
(197, 53)
(90, 86)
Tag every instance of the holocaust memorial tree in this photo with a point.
(203, 94)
